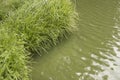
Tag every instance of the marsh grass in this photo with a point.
(42, 21)
(33, 28)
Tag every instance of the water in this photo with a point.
(92, 52)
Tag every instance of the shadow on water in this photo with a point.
(92, 52)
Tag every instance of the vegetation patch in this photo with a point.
(34, 27)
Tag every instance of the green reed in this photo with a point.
(33, 28)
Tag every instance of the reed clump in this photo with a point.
(33, 28)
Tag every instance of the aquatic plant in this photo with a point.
(42, 21)
(33, 28)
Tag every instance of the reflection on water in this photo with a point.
(92, 53)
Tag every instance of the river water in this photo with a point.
(92, 52)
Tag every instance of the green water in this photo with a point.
(92, 52)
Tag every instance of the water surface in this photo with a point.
(92, 52)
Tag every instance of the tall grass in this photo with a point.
(42, 21)
(33, 28)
